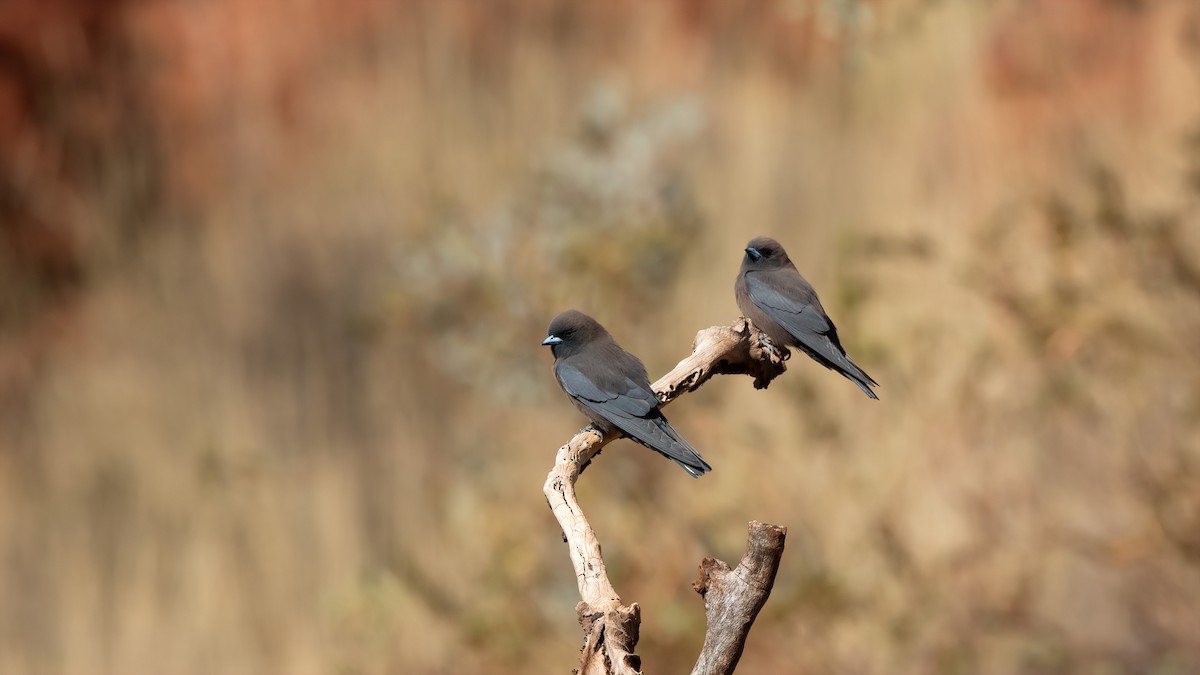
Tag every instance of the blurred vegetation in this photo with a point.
(272, 287)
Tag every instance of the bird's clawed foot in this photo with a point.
(592, 428)
(769, 357)
(776, 353)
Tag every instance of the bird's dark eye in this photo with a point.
(766, 252)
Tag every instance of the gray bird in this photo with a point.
(771, 293)
(610, 386)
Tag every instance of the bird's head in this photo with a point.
(764, 253)
(570, 331)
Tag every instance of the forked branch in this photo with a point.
(611, 627)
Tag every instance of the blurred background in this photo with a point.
(273, 278)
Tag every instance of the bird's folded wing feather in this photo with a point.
(632, 400)
(796, 308)
(633, 410)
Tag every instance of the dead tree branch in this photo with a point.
(732, 598)
(611, 627)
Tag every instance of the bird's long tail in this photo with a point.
(675, 447)
(858, 376)
(832, 356)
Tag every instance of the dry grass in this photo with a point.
(301, 425)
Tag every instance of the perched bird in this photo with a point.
(771, 293)
(610, 386)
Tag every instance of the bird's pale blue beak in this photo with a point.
(551, 341)
(754, 254)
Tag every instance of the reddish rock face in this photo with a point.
(90, 88)
(1052, 61)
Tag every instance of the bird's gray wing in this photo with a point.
(632, 408)
(622, 399)
(792, 303)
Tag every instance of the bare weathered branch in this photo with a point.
(733, 598)
(724, 350)
(611, 628)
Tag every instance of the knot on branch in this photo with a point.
(611, 638)
(709, 567)
(587, 616)
(625, 625)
